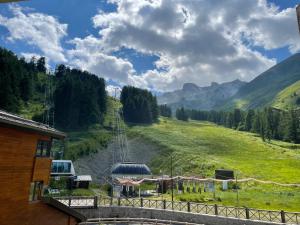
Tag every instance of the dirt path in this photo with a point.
(99, 165)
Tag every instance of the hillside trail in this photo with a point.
(99, 165)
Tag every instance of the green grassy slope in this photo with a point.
(261, 91)
(199, 148)
(288, 97)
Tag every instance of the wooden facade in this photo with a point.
(19, 168)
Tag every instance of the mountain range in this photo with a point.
(192, 96)
(275, 87)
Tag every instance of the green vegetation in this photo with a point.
(139, 105)
(79, 99)
(21, 82)
(262, 91)
(249, 195)
(81, 143)
(61, 185)
(165, 111)
(288, 97)
(198, 148)
(182, 114)
(269, 123)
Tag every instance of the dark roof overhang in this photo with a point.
(19, 122)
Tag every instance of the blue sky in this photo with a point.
(150, 45)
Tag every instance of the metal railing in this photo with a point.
(191, 207)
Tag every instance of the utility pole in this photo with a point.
(172, 183)
(237, 190)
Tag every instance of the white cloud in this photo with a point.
(87, 54)
(197, 41)
(113, 91)
(37, 29)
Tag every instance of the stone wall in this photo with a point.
(129, 212)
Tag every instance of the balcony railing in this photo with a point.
(191, 207)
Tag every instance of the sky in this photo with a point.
(154, 44)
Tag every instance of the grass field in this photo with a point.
(288, 97)
(198, 148)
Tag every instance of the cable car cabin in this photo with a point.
(25, 166)
(62, 168)
(224, 174)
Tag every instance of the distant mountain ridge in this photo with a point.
(265, 90)
(192, 96)
(262, 90)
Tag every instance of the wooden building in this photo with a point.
(25, 166)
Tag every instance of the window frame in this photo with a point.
(43, 148)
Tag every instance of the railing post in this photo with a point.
(70, 199)
(247, 213)
(188, 206)
(142, 202)
(95, 201)
(282, 213)
(119, 201)
(164, 203)
(216, 209)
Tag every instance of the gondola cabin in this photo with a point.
(62, 168)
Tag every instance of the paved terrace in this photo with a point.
(187, 212)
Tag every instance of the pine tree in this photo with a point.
(293, 126)
(249, 120)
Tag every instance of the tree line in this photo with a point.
(20, 81)
(269, 123)
(139, 105)
(79, 97)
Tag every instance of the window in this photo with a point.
(36, 190)
(43, 149)
(61, 167)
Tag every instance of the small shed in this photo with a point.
(80, 181)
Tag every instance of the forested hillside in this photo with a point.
(269, 123)
(73, 99)
(139, 106)
(21, 82)
(262, 91)
(79, 99)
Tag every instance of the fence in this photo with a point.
(192, 207)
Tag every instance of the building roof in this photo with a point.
(83, 178)
(131, 169)
(19, 122)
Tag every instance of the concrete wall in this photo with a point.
(129, 212)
